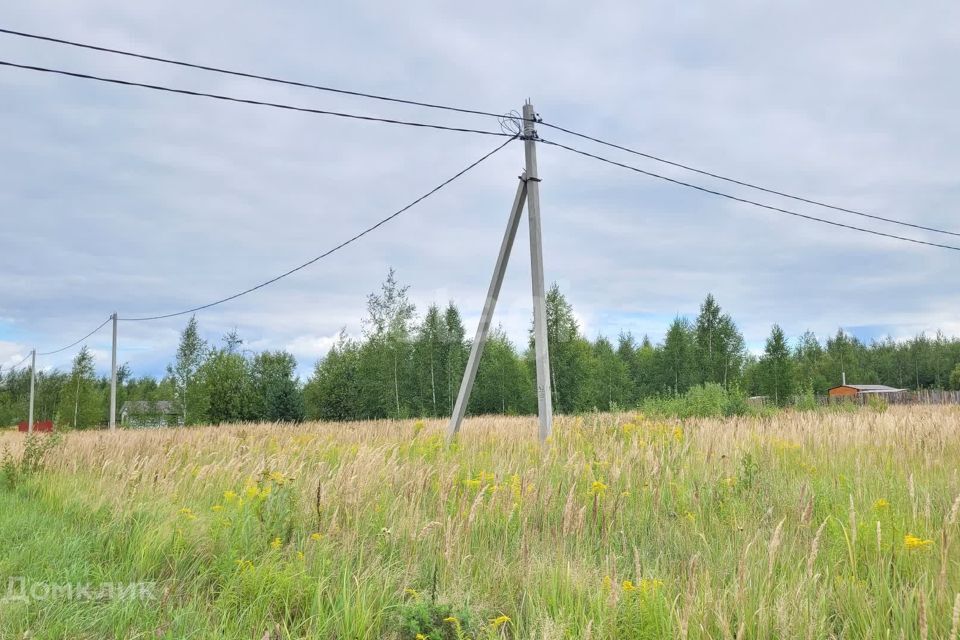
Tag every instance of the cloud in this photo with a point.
(122, 199)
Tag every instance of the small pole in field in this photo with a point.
(113, 376)
(33, 377)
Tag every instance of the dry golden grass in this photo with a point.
(795, 525)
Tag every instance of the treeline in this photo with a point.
(207, 384)
(404, 365)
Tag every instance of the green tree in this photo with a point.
(569, 355)
(386, 355)
(226, 385)
(610, 384)
(334, 390)
(676, 359)
(777, 373)
(955, 378)
(455, 353)
(190, 355)
(719, 345)
(429, 365)
(276, 391)
(80, 406)
(809, 356)
(503, 383)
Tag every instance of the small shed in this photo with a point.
(852, 390)
(146, 413)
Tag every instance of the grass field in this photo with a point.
(800, 525)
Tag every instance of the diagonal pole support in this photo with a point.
(483, 330)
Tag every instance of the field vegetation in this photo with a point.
(819, 524)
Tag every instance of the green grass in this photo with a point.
(623, 527)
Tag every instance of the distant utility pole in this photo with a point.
(113, 376)
(33, 377)
(528, 191)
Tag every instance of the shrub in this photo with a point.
(31, 461)
(877, 403)
(806, 401)
(420, 619)
(701, 401)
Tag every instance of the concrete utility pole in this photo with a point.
(527, 191)
(113, 376)
(544, 399)
(33, 378)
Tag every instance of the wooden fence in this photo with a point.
(924, 396)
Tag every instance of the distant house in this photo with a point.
(854, 390)
(144, 413)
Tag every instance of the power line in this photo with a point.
(329, 251)
(242, 74)
(261, 103)
(746, 201)
(14, 367)
(748, 184)
(73, 344)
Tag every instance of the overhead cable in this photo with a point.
(749, 184)
(243, 74)
(75, 343)
(329, 251)
(261, 103)
(750, 202)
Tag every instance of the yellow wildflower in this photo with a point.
(678, 434)
(598, 488)
(252, 491)
(276, 543)
(217, 507)
(278, 478)
(629, 586)
(188, 513)
(913, 542)
(229, 496)
(420, 636)
(516, 485)
(650, 585)
(316, 536)
(607, 583)
(243, 564)
(499, 621)
(413, 593)
(451, 620)
(881, 504)
(300, 555)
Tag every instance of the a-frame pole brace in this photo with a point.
(466, 385)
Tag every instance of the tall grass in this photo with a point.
(799, 525)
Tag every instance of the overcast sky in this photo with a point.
(115, 198)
